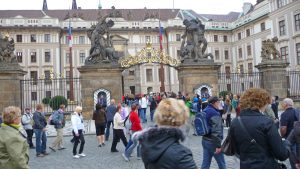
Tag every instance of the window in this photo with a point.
(68, 94)
(131, 72)
(67, 77)
(149, 75)
(67, 58)
(227, 71)
(225, 38)
(32, 38)
(215, 38)
(297, 22)
(239, 36)
(217, 54)
(241, 69)
(19, 38)
(47, 57)
(228, 87)
(82, 57)
(281, 28)
(298, 52)
(47, 38)
(67, 40)
(250, 68)
(81, 40)
(48, 94)
(34, 77)
(249, 50)
(19, 57)
(178, 53)
(159, 74)
(178, 37)
(280, 3)
(147, 38)
(33, 57)
(47, 77)
(251, 85)
(284, 52)
(34, 96)
(248, 32)
(240, 53)
(262, 26)
(226, 53)
(243, 87)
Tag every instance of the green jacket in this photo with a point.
(13, 149)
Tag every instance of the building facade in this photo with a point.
(235, 39)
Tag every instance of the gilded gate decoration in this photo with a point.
(149, 55)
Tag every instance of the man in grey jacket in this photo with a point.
(110, 113)
(27, 125)
(58, 118)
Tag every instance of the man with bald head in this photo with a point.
(287, 119)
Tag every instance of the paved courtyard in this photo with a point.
(102, 158)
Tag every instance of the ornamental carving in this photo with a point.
(149, 55)
(269, 51)
(7, 47)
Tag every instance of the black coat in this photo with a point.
(265, 133)
(161, 149)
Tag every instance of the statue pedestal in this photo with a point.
(192, 75)
(10, 76)
(95, 79)
(274, 77)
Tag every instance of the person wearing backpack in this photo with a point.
(27, 125)
(58, 118)
(211, 142)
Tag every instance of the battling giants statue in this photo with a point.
(102, 50)
(194, 43)
(269, 51)
(7, 48)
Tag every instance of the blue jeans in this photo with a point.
(41, 141)
(209, 152)
(151, 114)
(130, 146)
(143, 115)
(293, 149)
(107, 132)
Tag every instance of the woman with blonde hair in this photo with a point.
(256, 137)
(14, 148)
(161, 146)
(78, 127)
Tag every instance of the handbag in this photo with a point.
(228, 146)
(252, 140)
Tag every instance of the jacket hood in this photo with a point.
(155, 141)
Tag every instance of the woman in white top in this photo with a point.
(78, 127)
(118, 130)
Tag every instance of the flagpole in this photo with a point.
(71, 62)
(162, 74)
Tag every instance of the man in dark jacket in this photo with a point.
(211, 143)
(287, 119)
(39, 127)
(110, 113)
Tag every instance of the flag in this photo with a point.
(70, 34)
(161, 29)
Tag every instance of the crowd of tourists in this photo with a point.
(259, 138)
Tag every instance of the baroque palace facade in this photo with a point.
(235, 39)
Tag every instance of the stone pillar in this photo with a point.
(10, 88)
(99, 77)
(274, 78)
(192, 74)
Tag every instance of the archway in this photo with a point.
(204, 90)
(102, 92)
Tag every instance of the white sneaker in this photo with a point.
(81, 155)
(76, 156)
(125, 158)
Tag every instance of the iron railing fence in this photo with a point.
(237, 83)
(293, 84)
(36, 91)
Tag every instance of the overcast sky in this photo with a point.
(200, 6)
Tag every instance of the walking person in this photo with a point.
(255, 135)
(110, 113)
(135, 127)
(27, 125)
(160, 146)
(78, 128)
(144, 104)
(153, 105)
(99, 116)
(58, 118)
(211, 142)
(13, 147)
(39, 129)
(118, 130)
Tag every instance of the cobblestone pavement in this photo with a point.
(102, 158)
